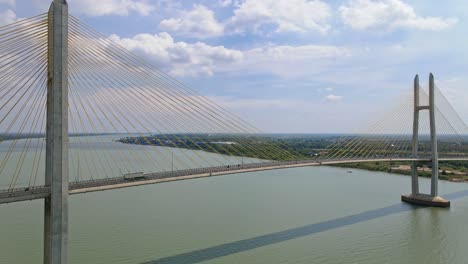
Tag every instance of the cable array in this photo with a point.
(126, 117)
(389, 134)
(23, 73)
(144, 120)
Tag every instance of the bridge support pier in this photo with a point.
(416, 197)
(56, 176)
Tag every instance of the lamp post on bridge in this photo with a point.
(416, 197)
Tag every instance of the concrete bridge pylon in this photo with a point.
(416, 197)
(56, 175)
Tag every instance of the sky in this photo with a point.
(296, 66)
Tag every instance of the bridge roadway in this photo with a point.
(39, 192)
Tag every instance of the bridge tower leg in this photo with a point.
(414, 168)
(435, 154)
(416, 197)
(56, 205)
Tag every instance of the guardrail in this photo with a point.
(38, 192)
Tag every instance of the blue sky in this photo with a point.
(289, 65)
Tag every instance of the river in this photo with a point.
(304, 215)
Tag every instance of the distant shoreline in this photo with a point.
(447, 172)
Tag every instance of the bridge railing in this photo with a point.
(207, 170)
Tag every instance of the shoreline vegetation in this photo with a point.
(455, 171)
(306, 146)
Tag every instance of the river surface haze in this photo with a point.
(304, 215)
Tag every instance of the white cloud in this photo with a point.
(179, 58)
(225, 3)
(199, 22)
(252, 15)
(112, 7)
(285, 15)
(292, 61)
(7, 17)
(333, 98)
(295, 53)
(199, 58)
(388, 15)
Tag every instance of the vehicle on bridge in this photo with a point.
(134, 176)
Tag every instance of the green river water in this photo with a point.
(304, 215)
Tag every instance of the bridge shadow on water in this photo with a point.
(205, 254)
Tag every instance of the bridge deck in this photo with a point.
(39, 192)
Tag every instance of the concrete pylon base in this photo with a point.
(425, 200)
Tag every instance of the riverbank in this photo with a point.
(449, 171)
(304, 147)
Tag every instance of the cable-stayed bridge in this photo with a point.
(79, 113)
